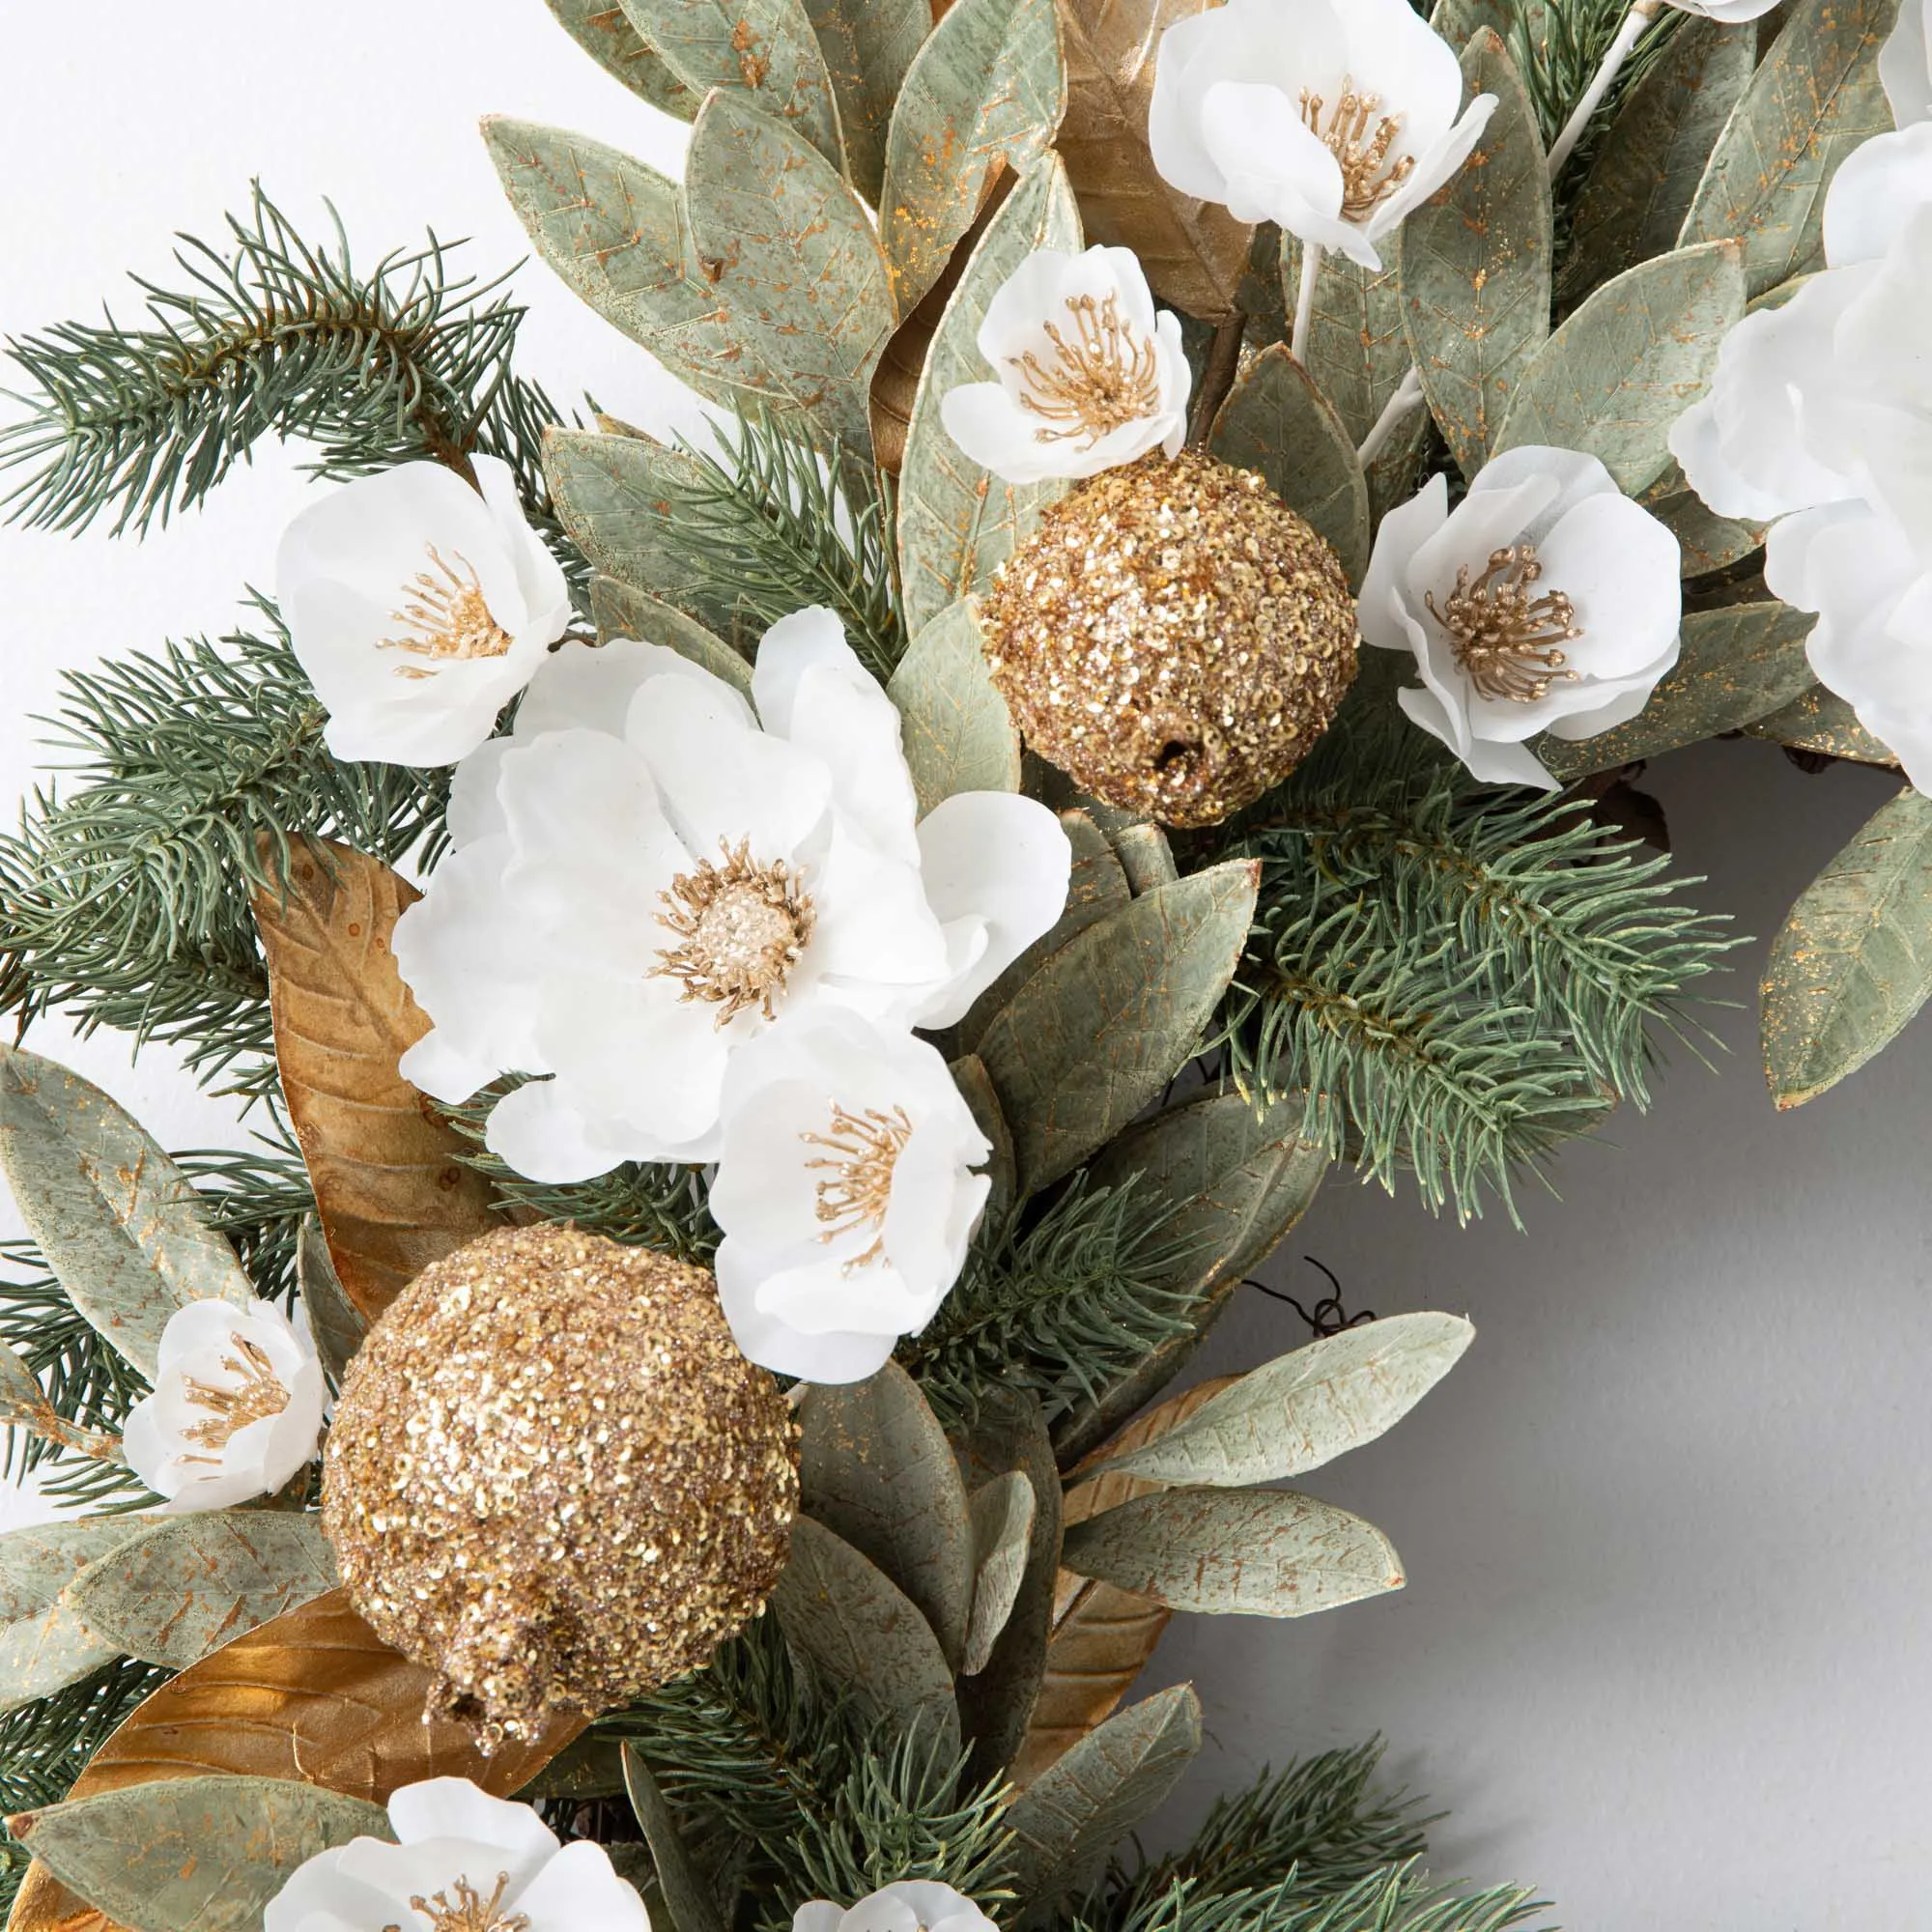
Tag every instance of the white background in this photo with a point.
(1665, 1651)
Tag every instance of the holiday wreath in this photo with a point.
(671, 1422)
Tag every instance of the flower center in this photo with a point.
(1506, 640)
(742, 927)
(861, 1151)
(470, 1912)
(446, 617)
(258, 1395)
(1369, 177)
(1102, 379)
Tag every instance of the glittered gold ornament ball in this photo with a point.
(554, 1480)
(1173, 637)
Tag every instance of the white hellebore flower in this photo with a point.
(1730, 12)
(1089, 376)
(1334, 118)
(913, 1905)
(1819, 422)
(235, 1410)
(418, 607)
(1545, 601)
(648, 874)
(846, 1193)
(464, 1862)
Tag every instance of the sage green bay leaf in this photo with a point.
(792, 262)
(1475, 265)
(336, 1323)
(1146, 856)
(1276, 421)
(1095, 1034)
(876, 1469)
(617, 610)
(1818, 720)
(1814, 99)
(957, 733)
(1083, 1804)
(763, 52)
(615, 231)
(184, 1587)
(1706, 541)
(1853, 962)
(602, 30)
(1252, 1553)
(44, 1644)
(193, 1854)
(1614, 379)
(957, 522)
(1735, 664)
(866, 1637)
(868, 45)
(1644, 173)
(1003, 1513)
(128, 1237)
(995, 1703)
(988, 86)
(1303, 1409)
(686, 1898)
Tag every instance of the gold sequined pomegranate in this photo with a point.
(554, 1480)
(1173, 637)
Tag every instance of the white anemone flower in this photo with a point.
(1334, 118)
(464, 1862)
(1089, 374)
(235, 1410)
(847, 1194)
(1545, 601)
(419, 608)
(1905, 63)
(649, 873)
(913, 1905)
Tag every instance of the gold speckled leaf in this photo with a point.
(601, 29)
(1474, 263)
(1853, 962)
(44, 1643)
(619, 612)
(958, 734)
(390, 1189)
(1194, 253)
(792, 259)
(1821, 720)
(988, 86)
(867, 44)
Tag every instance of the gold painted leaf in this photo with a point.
(1820, 720)
(601, 29)
(1194, 253)
(391, 1194)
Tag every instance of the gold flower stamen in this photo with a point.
(1102, 379)
(861, 1151)
(742, 927)
(1369, 177)
(1508, 641)
(446, 617)
(471, 1912)
(259, 1395)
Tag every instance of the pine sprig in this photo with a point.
(1475, 975)
(1402, 1899)
(272, 335)
(771, 526)
(1558, 50)
(1060, 1302)
(126, 899)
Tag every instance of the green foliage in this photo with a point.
(1401, 1899)
(272, 337)
(126, 899)
(1059, 1302)
(1558, 48)
(1474, 975)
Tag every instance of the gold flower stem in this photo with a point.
(1218, 370)
(1629, 34)
(1304, 301)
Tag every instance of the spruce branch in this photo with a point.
(1398, 1899)
(1558, 51)
(128, 897)
(272, 335)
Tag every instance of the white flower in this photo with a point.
(1546, 601)
(1905, 63)
(1730, 12)
(1820, 415)
(465, 1862)
(235, 1410)
(1089, 376)
(913, 1905)
(418, 607)
(845, 1192)
(1334, 118)
(646, 876)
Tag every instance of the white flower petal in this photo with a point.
(579, 1891)
(766, 1191)
(537, 1132)
(846, 720)
(453, 1807)
(1403, 531)
(1276, 168)
(1393, 53)
(591, 688)
(808, 640)
(1882, 184)
(774, 1344)
(932, 1212)
(1905, 67)
(819, 1915)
